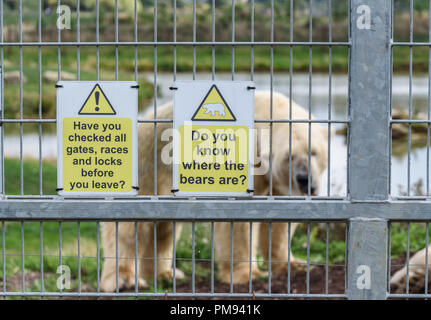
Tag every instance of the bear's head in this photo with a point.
(300, 161)
(296, 164)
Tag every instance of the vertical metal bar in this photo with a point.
(21, 109)
(212, 257)
(155, 254)
(98, 255)
(233, 40)
(366, 259)
(290, 96)
(327, 258)
(2, 98)
(193, 258)
(117, 289)
(136, 38)
(346, 256)
(349, 105)
(116, 39)
(369, 82)
(329, 100)
(271, 85)
(308, 260)
(426, 257)
(410, 98)
(408, 259)
(429, 105)
(289, 250)
(175, 39)
(78, 39)
(60, 256)
(252, 40)
(269, 256)
(155, 99)
(174, 256)
(58, 49)
(250, 254)
(41, 256)
(97, 40)
(389, 255)
(3, 248)
(194, 39)
(231, 258)
(391, 101)
(136, 259)
(79, 256)
(213, 37)
(310, 94)
(39, 27)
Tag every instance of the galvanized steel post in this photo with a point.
(369, 77)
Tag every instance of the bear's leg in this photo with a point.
(126, 257)
(241, 251)
(164, 247)
(279, 247)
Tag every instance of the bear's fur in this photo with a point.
(280, 168)
(417, 271)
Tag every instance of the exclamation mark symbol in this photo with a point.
(97, 94)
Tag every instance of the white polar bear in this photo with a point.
(213, 108)
(419, 265)
(283, 169)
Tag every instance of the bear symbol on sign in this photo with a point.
(213, 108)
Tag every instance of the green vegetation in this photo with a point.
(30, 92)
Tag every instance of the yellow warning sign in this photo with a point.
(213, 158)
(97, 154)
(97, 103)
(213, 108)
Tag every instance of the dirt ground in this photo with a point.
(279, 284)
(298, 282)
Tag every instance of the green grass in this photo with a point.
(31, 177)
(32, 101)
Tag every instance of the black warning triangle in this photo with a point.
(97, 103)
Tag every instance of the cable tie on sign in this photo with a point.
(136, 188)
(174, 190)
(58, 86)
(135, 87)
(58, 189)
(250, 190)
(173, 88)
(251, 88)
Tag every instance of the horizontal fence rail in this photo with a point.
(207, 210)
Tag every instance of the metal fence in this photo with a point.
(366, 211)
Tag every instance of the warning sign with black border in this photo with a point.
(97, 138)
(213, 141)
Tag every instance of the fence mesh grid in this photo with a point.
(42, 231)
